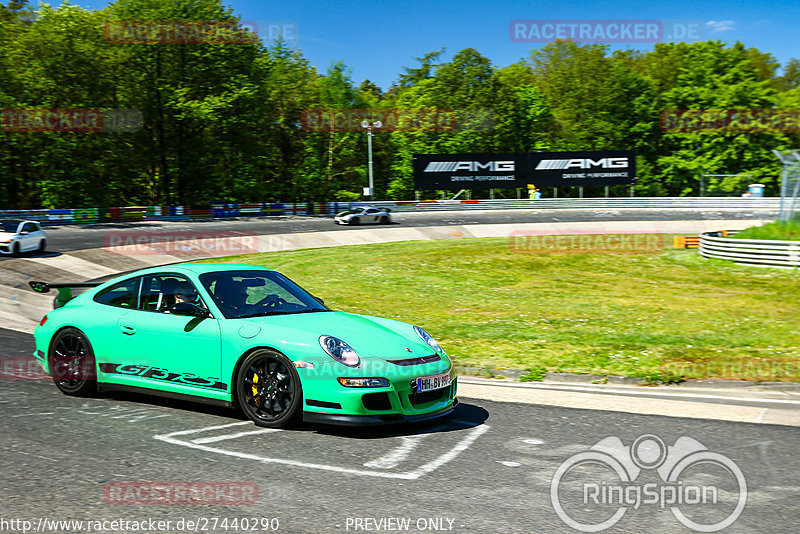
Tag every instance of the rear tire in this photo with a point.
(384, 220)
(268, 389)
(71, 363)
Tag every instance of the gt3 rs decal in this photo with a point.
(157, 373)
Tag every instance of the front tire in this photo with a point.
(268, 389)
(71, 363)
(354, 221)
(42, 246)
(384, 220)
(15, 250)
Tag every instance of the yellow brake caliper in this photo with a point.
(255, 389)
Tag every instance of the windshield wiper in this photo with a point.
(260, 314)
(267, 313)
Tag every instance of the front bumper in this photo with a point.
(325, 400)
(5, 248)
(375, 420)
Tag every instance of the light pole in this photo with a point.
(369, 126)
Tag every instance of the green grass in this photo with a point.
(786, 231)
(662, 316)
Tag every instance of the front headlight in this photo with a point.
(371, 382)
(427, 338)
(339, 351)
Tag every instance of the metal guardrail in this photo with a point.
(266, 209)
(768, 253)
(771, 203)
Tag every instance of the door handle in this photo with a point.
(128, 330)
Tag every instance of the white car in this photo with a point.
(21, 236)
(363, 216)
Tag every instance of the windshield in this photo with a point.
(9, 226)
(350, 212)
(240, 294)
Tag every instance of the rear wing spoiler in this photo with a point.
(64, 290)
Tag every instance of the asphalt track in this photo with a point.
(78, 237)
(487, 468)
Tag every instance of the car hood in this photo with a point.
(6, 236)
(369, 338)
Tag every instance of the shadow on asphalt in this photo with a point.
(463, 417)
(35, 254)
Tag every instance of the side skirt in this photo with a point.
(105, 387)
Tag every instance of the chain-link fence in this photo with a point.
(790, 184)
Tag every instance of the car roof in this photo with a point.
(202, 268)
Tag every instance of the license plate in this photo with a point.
(429, 383)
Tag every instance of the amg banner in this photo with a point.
(468, 171)
(510, 171)
(569, 169)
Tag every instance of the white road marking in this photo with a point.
(398, 455)
(463, 445)
(32, 414)
(223, 437)
(533, 441)
(508, 464)
(198, 430)
(472, 435)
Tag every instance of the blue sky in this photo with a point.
(377, 39)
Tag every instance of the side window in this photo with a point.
(123, 294)
(29, 227)
(162, 291)
(372, 210)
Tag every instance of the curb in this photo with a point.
(514, 375)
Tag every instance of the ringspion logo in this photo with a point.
(593, 490)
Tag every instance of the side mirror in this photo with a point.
(187, 309)
(320, 301)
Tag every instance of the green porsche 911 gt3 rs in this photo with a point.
(242, 335)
